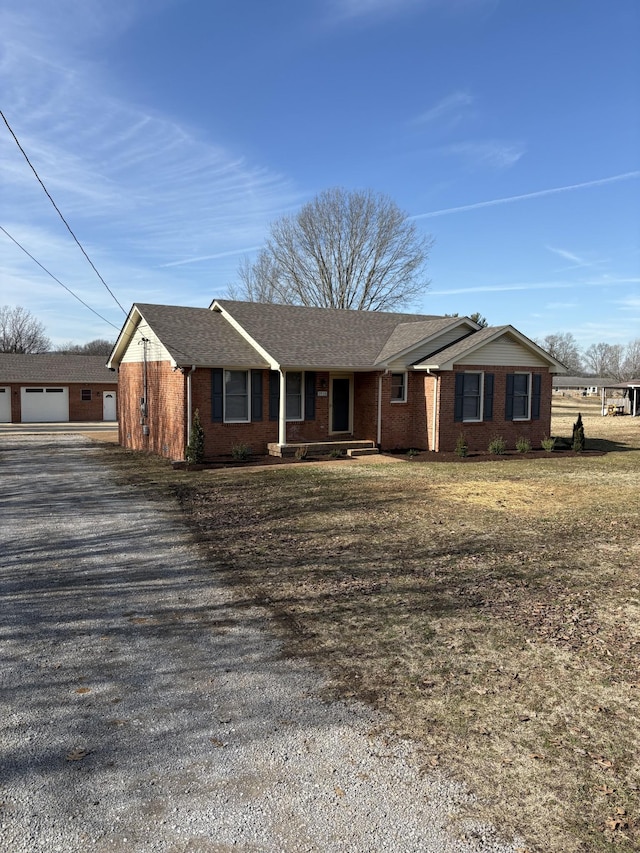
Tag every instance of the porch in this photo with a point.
(348, 447)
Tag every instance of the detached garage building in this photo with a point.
(55, 388)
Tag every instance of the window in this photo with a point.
(85, 394)
(294, 396)
(518, 399)
(398, 387)
(473, 397)
(236, 396)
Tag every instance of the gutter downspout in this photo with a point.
(434, 425)
(189, 404)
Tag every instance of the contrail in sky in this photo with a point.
(624, 177)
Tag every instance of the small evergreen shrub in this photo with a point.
(194, 453)
(241, 452)
(578, 439)
(411, 452)
(497, 445)
(523, 445)
(462, 448)
(548, 444)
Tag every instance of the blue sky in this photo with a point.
(171, 133)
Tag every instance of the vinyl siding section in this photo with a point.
(503, 352)
(155, 349)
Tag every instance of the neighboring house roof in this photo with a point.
(580, 382)
(297, 336)
(445, 358)
(191, 336)
(34, 369)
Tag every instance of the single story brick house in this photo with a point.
(273, 377)
(55, 388)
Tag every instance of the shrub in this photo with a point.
(578, 439)
(497, 445)
(462, 448)
(523, 445)
(548, 444)
(194, 453)
(301, 452)
(337, 453)
(241, 452)
(411, 452)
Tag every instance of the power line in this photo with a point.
(68, 289)
(57, 209)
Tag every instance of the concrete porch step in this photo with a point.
(362, 451)
(322, 448)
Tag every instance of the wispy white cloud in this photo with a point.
(492, 153)
(625, 176)
(449, 109)
(552, 284)
(141, 191)
(345, 10)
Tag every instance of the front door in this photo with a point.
(109, 406)
(340, 404)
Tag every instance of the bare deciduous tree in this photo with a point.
(20, 332)
(605, 360)
(564, 347)
(342, 250)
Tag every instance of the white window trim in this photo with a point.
(227, 420)
(405, 382)
(526, 417)
(302, 400)
(479, 419)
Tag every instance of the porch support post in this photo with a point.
(282, 411)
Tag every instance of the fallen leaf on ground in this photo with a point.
(77, 754)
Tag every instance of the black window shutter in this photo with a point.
(274, 395)
(459, 399)
(216, 394)
(508, 402)
(256, 395)
(310, 395)
(535, 397)
(488, 397)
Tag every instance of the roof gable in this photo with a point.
(470, 350)
(189, 336)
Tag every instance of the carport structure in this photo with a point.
(627, 402)
(56, 388)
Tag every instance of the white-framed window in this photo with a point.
(399, 387)
(472, 396)
(295, 396)
(236, 396)
(521, 396)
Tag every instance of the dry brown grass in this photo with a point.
(491, 609)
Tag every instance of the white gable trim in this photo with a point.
(273, 364)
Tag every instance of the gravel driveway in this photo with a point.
(140, 711)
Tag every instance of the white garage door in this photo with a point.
(5, 405)
(46, 405)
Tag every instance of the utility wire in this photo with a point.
(42, 267)
(48, 194)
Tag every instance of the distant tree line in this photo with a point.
(608, 361)
(22, 333)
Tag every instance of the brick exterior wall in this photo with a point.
(79, 410)
(478, 435)
(404, 425)
(166, 408)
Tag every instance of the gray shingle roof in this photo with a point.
(199, 336)
(319, 338)
(55, 367)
